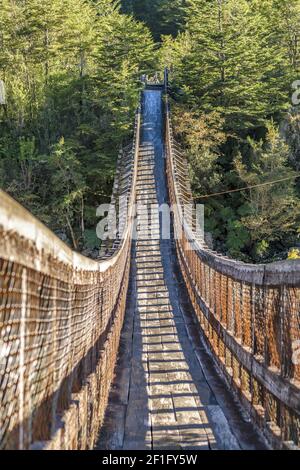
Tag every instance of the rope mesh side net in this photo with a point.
(60, 321)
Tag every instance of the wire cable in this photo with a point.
(246, 188)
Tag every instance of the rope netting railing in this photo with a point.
(60, 320)
(249, 315)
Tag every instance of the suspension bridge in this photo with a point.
(162, 343)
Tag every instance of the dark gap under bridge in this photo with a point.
(161, 344)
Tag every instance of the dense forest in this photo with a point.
(71, 72)
(234, 66)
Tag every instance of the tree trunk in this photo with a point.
(74, 241)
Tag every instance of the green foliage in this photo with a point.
(294, 253)
(237, 237)
(231, 71)
(202, 136)
(261, 248)
(71, 70)
(274, 208)
(162, 16)
(228, 60)
(91, 241)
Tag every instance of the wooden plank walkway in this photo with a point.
(161, 398)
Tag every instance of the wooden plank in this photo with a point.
(138, 425)
(192, 432)
(219, 433)
(112, 433)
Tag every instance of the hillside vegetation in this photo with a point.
(71, 72)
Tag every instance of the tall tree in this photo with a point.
(161, 16)
(273, 209)
(227, 66)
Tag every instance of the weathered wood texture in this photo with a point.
(160, 398)
(248, 314)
